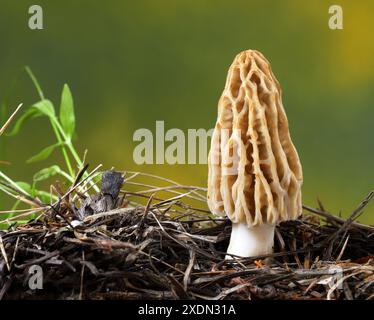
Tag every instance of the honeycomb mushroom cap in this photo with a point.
(255, 173)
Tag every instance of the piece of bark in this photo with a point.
(107, 199)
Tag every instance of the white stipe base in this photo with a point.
(250, 242)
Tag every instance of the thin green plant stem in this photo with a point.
(69, 145)
(74, 153)
(35, 82)
(53, 123)
(64, 152)
(66, 176)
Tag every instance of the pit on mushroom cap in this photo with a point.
(255, 175)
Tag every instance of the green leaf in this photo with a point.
(67, 116)
(44, 154)
(46, 173)
(25, 186)
(45, 107)
(29, 114)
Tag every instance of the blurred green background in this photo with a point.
(130, 63)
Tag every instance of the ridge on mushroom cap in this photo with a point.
(255, 173)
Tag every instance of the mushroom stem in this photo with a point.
(251, 241)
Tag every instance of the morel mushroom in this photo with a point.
(255, 174)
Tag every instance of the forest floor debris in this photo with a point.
(110, 246)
